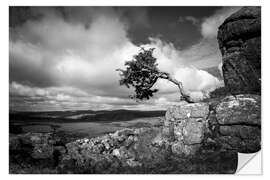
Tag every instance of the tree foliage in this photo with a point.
(142, 73)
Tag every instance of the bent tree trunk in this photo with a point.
(184, 95)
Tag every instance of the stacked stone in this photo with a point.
(239, 121)
(185, 127)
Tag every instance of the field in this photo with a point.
(79, 124)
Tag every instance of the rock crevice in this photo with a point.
(239, 39)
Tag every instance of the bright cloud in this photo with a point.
(210, 25)
(64, 62)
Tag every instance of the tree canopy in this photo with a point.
(142, 73)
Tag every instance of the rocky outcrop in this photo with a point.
(239, 39)
(195, 138)
(143, 150)
(212, 132)
(238, 120)
(185, 127)
(35, 145)
(125, 151)
(235, 121)
(232, 123)
(34, 153)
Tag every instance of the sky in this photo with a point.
(64, 58)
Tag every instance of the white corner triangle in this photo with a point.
(249, 164)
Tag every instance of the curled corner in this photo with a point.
(249, 164)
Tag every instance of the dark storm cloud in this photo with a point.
(191, 19)
(65, 57)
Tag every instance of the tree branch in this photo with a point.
(183, 93)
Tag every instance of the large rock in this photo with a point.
(145, 150)
(125, 151)
(185, 127)
(193, 131)
(239, 123)
(34, 153)
(232, 123)
(36, 145)
(187, 110)
(239, 39)
(240, 109)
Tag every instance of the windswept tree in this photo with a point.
(142, 73)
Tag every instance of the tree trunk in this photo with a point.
(184, 94)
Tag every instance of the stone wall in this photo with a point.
(195, 138)
(232, 123)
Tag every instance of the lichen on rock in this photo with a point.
(239, 122)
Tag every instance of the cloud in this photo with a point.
(55, 98)
(210, 24)
(195, 21)
(206, 52)
(197, 80)
(172, 60)
(67, 59)
(17, 89)
(75, 56)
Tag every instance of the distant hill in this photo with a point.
(82, 116)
